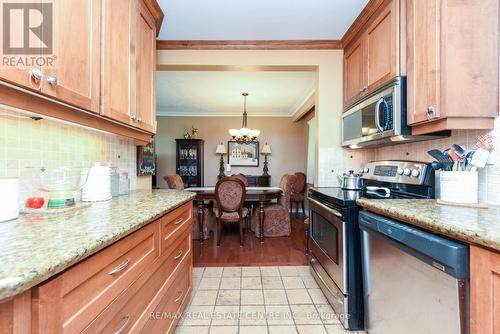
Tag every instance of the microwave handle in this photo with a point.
(377, 114)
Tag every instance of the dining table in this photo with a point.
(262, 195)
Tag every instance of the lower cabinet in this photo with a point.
(485, 291)
(139, 284)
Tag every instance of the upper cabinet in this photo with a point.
(372, 57)
(99, 56)
(452, 68)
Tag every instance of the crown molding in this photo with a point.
(171, 113)
(248, 44)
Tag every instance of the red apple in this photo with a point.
(35, 202)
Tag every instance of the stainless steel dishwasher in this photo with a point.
(414, 281)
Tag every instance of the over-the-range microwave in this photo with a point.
(379, 118)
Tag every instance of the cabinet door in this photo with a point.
(18, 68)
(485, 291)
(423, 60)
(381, 45)
(146, 69)
(353, 72)
(74, 76)
(118, 63)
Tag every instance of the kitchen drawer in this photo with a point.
(132, 309)
(71, 301)
(175, 223)
(166, 315)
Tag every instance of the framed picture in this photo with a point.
(243, 154)
(146, 160)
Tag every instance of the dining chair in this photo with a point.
(277, 216)
(175, 182)
(230, 194)
(298, 193)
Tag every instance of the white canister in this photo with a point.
(9, 199)
(459, 187)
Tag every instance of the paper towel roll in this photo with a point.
(9, 199)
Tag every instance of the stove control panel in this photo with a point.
(409, 172)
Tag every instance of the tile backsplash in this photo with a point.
(25, 142)
(489, 177)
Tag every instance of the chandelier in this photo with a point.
(244, 135)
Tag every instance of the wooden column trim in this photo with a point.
(155, 10)
(248, 45)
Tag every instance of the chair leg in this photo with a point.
(219, 230)
(242, 222)
(303, 208)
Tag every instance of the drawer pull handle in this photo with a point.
(178, 299)
(178, 256)
(178, 221)
(122, 327)
(120, 267)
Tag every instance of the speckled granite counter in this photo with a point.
(35, 247)
(474, 226)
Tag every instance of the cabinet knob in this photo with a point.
(52, 81)
(139, 118)
(133, 118)
(431, 112)
(36, 74)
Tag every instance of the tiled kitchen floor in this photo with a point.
(250, 300)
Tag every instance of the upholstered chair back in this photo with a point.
(300, 183)
(243, 178)
(286, 184)
(174, 182)
(230, 194)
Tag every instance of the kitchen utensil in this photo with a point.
(9, 198)
(485, 141)
(479, 159)
(437, 165)
(458, 187)
(350, 181)
(440, 156)
(460, 152)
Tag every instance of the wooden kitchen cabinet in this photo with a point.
(74, 78)
(452, 64)
(372, 57)
(485, 291)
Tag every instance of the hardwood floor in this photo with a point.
(280, 251)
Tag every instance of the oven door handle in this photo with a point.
(331, 210)
(335, 294)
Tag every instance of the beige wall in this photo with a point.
(288, 142)
(331, 157)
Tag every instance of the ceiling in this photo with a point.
(257, 19)
(218, 93)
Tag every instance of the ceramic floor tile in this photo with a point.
(252, 297)
(197, 316)
(275, 297)
(338, 329)
(251, 283)
(282, 330)
(213, 272)
(225, 315)
(198, 272)
(317, 296)
(309, 282)
(311, 329)
(288, 271)
(279, 315)
(209, 283)
(228, 297)
(252, 315)
(250, 271)
(224, 330)
(230, 283)
(192, 330)
(327, 315)
(204, 297)
(253, 330)
(293, 283)
(298, 296)
(196, 282)
(270, 271)
(304, 270)
(231, 272)
(272, 282)
(305, 315)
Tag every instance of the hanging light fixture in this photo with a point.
(244, 135)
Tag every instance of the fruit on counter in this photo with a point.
(35, 202)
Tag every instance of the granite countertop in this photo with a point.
(37, 246)
(475, 226)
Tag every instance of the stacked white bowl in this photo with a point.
(98, 186)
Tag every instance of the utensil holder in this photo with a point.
(459, 187)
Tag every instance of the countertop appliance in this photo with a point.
(414, 281)
(334, 235)
(379, 118)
